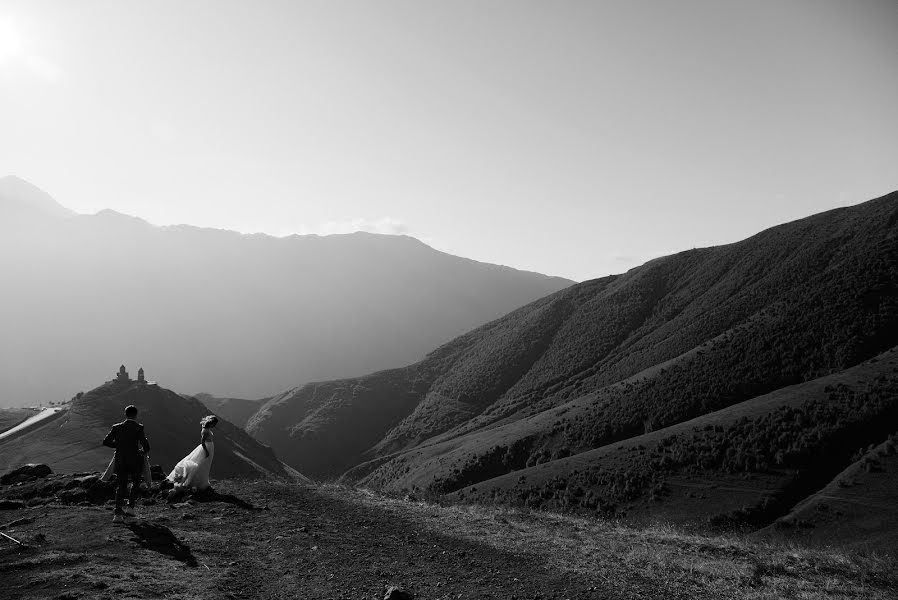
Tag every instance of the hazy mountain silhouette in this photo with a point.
(18, 198)
(230, 314)
(620, 357)
(236, 410)
(72, 441)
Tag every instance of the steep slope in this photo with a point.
(236, 410)
(234, 315)
(857, 508)
(73, 441)
(742, 466)
(676, 338)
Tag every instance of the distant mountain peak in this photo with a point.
(24, 195)
(107, 214)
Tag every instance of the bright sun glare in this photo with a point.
(10, 40)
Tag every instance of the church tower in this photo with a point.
(122, 376)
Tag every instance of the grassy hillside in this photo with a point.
(73, 441)
(10, 417)
(743, 466)
(857, 508)
(588, 399)
(787, 305)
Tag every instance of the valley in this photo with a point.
(753, 373)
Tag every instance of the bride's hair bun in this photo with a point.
(208, 420)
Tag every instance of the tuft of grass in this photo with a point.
(658, 561)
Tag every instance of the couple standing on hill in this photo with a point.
(129, 462)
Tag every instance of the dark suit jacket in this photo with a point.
(125, 436)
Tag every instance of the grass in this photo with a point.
(660, 561)
(10, 417)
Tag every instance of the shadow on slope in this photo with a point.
(857, 508)
(742, 466)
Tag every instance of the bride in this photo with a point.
(193, 470)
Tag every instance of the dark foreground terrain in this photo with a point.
(283, 540)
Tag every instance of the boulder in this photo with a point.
(26, 473)
(394, 592)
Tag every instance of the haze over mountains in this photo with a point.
(752, 385)
(220, 312)
(567, 402)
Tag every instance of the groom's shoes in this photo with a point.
(129, 512)
(118, 518)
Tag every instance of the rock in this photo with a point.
(188, 517)
(38, 488)
(72, 496)
(156, 473)
(88, 481)
(100, 492)
(28, 472)
(394, 592)
(11, 504)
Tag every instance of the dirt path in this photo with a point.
(305, 544)
(339, 549)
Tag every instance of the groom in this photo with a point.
(124, 437)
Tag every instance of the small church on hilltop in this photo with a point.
(123, 377)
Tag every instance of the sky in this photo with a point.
(570, 138)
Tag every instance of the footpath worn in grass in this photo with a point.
(282, 540)
(662, 561)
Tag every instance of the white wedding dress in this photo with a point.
(193, 470)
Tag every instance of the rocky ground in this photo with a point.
(282, 540)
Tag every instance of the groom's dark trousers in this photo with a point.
(125, 437)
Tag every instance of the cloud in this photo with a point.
(385, 225)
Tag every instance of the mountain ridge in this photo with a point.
(679, 337)
(21, 196)
(183, 301)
